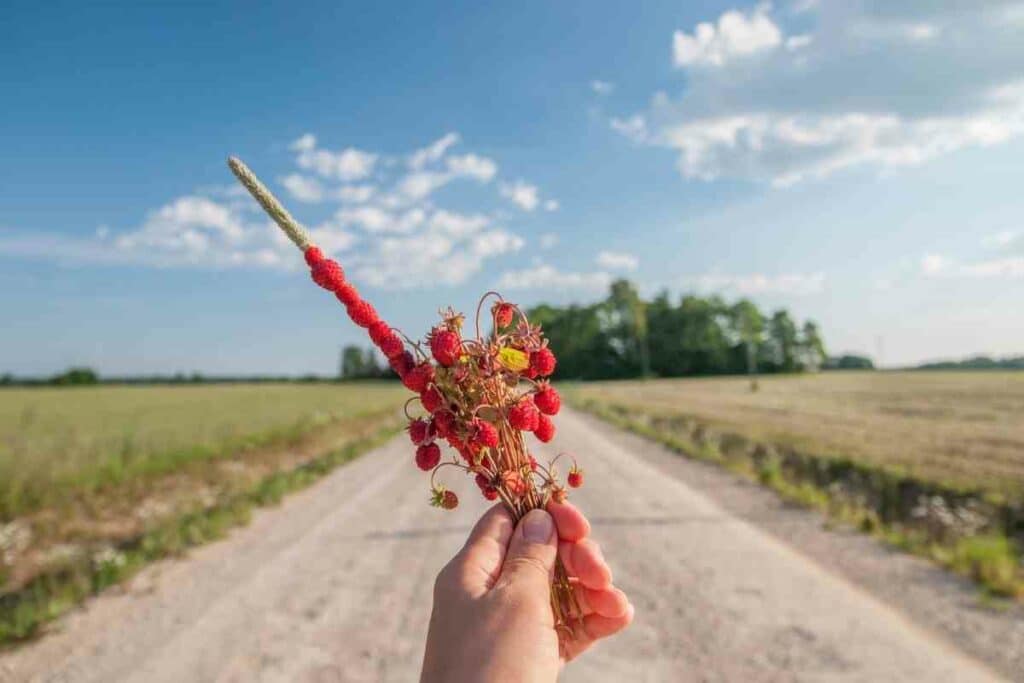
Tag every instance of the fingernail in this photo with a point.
(537, 526)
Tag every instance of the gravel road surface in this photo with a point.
(728, 585)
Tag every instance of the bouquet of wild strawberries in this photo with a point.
(481, 394)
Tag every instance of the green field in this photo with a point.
(56, 444)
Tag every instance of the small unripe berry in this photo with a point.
(427, 456)
(558, 494)
(542, 362)
(523, 415)
(548, 400)
(503, 313)
(545, 430)
(446, 346)
(575, 478)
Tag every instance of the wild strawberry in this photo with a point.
(484, 433)
(490, 493)
(313, 256)
(558, 494)
(542, 362)
(417, 378)
(575, 478)
(402, 364)
(533, 462)
(523, 415)
(362, 313)
(427, 456)
(419, 431)
(346, 293)
(503, 313)
(482, 480)
(391, 346)
(431, 399)
(548, 400)
(328, 274)
(378, 331)
(545, 430)
(444, 420)
(450, 501)
(446, 346)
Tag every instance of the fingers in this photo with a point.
(593, 628)
(482, 556)
(611, 602)
(530, 559)
(584, 561)
(572, 525)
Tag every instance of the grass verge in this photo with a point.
(47, 596)
(966, 532)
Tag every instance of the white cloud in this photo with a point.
(1003, 238)
(617, 260)
(373, 219)
(634, 127)
(782, 116)
(737, 35)
(548, 240)
(303, 188)
(457, 224)
(547, 277)
(472, 166)
(602, 87)
(759, 283)
(354, 194)
(1002, 267)
(421, 184)
(932, 264)
(347, 164)
(432, 152)
(521, 193)
(551, 205)
(794, 43)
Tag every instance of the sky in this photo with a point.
(858, 163)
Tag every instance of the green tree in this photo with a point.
(784, 344)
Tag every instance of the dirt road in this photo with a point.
(335, 586)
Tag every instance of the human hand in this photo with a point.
(492, 618)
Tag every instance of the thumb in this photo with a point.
(530, 561)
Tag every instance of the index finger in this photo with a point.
(571, 524)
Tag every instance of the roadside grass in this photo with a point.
(83, 506)
(967, 529)
(54, 592)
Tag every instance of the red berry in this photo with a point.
(533, 462)
(575, 478)
(542, 362)
(427, 456)
(419, 431)
(484, 433)
(402, 364)
(482, 480)
(446, 346)
(346, 293)
(545, 430)
(313, 256)
(417, 378)
(514, 483)
(378, 331)
(328, 274)
(362, 313)
(548, 400)
(431, 399)
(523, 415)
(449, 501)
(391, 346)
(491, 493)
(444, 420)
(503, 313)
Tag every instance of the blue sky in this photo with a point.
(856, 162)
